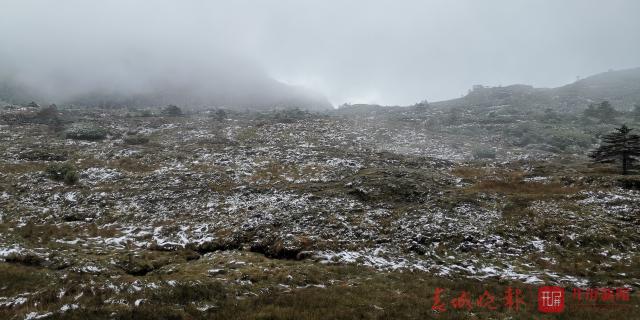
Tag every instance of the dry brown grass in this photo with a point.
(470, 172)
(276, 172)
(602, 169)
(513, 183)
(20, 168)
(132, 165)
(272, 172)
(354, 293)
(44, 233)
(522, 187)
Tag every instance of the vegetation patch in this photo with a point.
(136, 139)
(63, 172)
(86, 131)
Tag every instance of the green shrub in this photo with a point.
(565, 139)
(561, 139)
(63, 172)
(71, 177)
(43, 155)
(27, 259)
(483, 153)
(48, 115)
(219, 114)
(85, 131)
(136, 139)
(602, 111)
(172, 110)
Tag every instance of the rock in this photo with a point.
(215, 272)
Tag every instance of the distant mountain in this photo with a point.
(621, 88)
(238, 88)
(255, 96)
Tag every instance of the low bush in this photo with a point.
(48, 115)
(63, 172)
(27, 259)
(569, 139)
(172, 110)
(136, 139)
(43, 155)
(560, 138)
(86, 131)
(483, 153)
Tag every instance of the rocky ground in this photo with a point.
(210, 212)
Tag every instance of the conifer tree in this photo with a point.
(619, 145)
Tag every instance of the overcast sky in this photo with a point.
(376, 51)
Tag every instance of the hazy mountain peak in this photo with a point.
(621, 88)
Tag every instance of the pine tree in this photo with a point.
(619, 145)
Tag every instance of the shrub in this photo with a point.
(136, 139)
(71, 177)
(43, 155)
(138, 267)
(564, 139)
(560, 139)
(219, 114)
(86, 131)
(172, 110)
(48, 115)
(27, 259)
(32, 104)
(63, 172)
(629, 183)
(603, 112)
(483, 153)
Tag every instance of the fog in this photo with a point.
(387, 52)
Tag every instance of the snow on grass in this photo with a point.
(99, 175)
(68, 307)
(36, 316)
(604, 197)
(5, 252)
(6, 302)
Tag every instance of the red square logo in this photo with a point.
(550, 299)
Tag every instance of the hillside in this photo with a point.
(621, 88)
(300, 215)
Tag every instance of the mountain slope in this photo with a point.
(621, 88)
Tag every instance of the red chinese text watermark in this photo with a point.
(550, 299)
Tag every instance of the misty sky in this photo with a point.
(376, 51)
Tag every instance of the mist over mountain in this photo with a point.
(230, 84)
(245, 86)
(377, 52)
(620, 87)
(138, 54)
